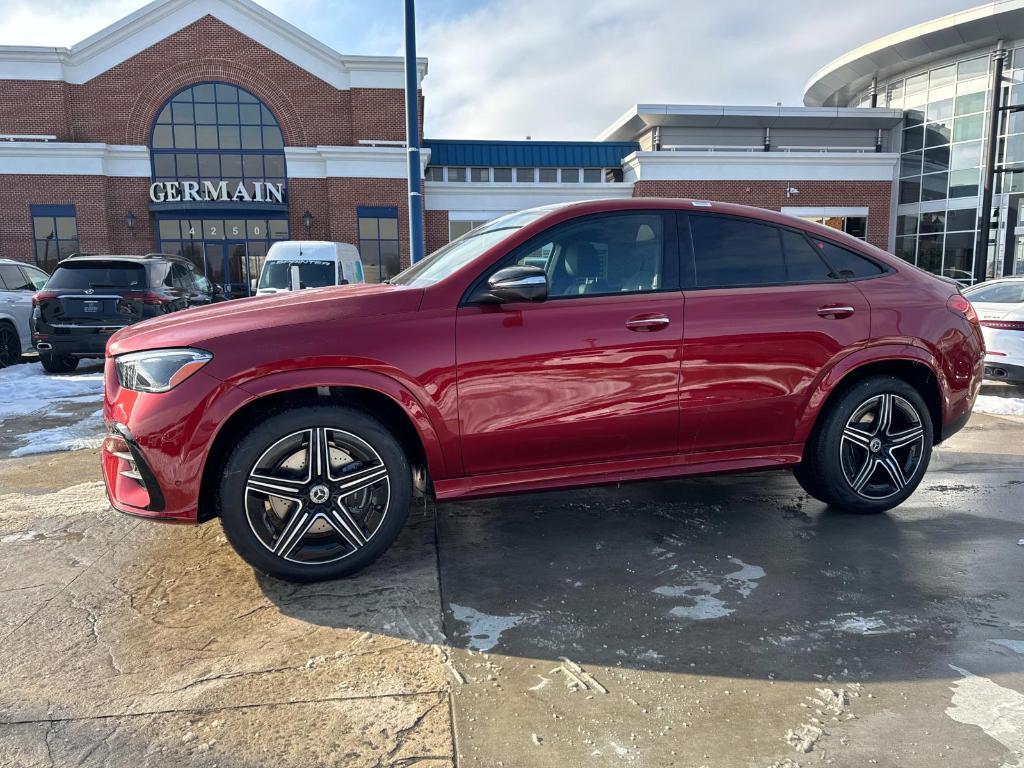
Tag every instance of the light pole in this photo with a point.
(412, 135)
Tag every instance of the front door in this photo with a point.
(592, 373)
(228, 267)
(765, 314)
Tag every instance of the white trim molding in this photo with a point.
(493, 199)
(161, 18)
(325, 162)
(64, 159)
(827, 212)
(760, 166)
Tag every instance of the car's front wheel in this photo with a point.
(871, 449)
(315, 493)
(54, 363)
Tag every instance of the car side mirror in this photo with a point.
(520, 283)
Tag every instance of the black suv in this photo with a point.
(89, 297)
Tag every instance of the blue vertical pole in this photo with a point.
(412, 135)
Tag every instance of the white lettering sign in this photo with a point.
(209, 191)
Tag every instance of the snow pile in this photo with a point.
(87, 433)
(1004, 406)
(27, 388)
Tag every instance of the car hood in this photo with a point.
(989, 311)
(205, 326)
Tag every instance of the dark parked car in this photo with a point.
(90, 297)
(573, 345)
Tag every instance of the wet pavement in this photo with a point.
(726, 621)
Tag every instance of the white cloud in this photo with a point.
(58, 24)
(565, 69)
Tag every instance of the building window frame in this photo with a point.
(377, 232)
(59, 241)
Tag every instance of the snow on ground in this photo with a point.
(87, 433)
(1004, 406)
(27, 388)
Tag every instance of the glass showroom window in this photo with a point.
(378, 242)
(55, 233)
(218, 132)
(851, 225)
(940, 164)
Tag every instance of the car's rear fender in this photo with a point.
(884, 358)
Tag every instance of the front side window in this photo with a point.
(55, 233)
(378, 242)
(734, 252)
(601, 255)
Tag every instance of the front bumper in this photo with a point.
(157, 444)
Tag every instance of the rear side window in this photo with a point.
(734, 252)
(847, 264)
(803, 264)
(13, 279)
(98, 274)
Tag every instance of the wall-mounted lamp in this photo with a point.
(129, 219)
(792, 191)
(307, 221)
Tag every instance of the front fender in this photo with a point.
(886, 352)
(421, 412)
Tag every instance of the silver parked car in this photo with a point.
(18, 284)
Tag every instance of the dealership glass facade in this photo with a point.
(215, 134)
(944, 135)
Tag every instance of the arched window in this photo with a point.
(217, 132)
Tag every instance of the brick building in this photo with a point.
(211, 128)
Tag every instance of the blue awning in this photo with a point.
(530, 154)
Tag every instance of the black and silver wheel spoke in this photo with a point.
(317, 496)
(881, 446)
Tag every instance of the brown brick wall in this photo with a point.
(436, 229)
(87, 193)
(119, 105)
(876, 195)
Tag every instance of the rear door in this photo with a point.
(16, 291)
(765, 314)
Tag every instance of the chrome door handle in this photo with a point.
(647, 323)
(835, 311)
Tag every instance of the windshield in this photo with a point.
(1010, 292)
(312, 274)
(98, 274)
(444, 261)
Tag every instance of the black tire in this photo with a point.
(10, 345)
(856, 444)
(53, 363)
(286, 445)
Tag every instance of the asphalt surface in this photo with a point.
(726, 621)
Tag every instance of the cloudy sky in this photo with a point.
(560, 69)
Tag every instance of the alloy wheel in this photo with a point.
(882, 446)
(317, 496)
(10, 352)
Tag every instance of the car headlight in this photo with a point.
(159, 370)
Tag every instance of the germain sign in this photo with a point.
(220, 191)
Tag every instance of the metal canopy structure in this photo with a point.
(841, 80)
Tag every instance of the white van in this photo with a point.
(296, 264)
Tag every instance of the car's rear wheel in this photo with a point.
(54, 363)
(871, 449)
(10, 345)
(315, 493)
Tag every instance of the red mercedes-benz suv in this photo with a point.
(562, 346)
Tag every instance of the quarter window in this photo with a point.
(847, 264)
(733, 252)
